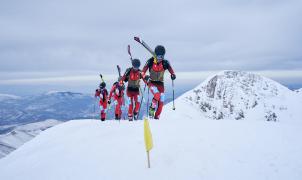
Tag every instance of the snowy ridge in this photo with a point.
(238, 95)
(21, 134)
(8, 97)
(63, 93)
(186, 146)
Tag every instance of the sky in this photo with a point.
(45, 43)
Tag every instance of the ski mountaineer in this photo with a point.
(102, 93)
(133, 76)
(157, 67)
(117, 92)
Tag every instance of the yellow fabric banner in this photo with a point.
(148, 135)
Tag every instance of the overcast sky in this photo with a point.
(56, 37)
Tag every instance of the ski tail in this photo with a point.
(119, 70)
(129, 52)
(101, 76)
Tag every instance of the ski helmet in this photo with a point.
(160, 50)
(102, 85)
(136, 63)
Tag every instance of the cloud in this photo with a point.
(199, 35)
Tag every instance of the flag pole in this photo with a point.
(148, 140)
(148, 155)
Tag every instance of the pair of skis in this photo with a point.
(137, 39)
(145, 45)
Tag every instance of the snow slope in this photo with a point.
(21, 134)
(242, 95)
(186, 146)
(188, 143)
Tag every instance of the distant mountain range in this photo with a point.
(63, 106)
(52, 105)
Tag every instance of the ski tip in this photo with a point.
(118, 68)
(137, 39)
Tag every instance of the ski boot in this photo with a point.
(135, 116)
(151, 112)
(130, 118)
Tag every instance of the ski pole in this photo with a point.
(173, 95)
(140, 105)
(95, 103)
(142, 92)
(148, 102)
(124, 109)
(95, 115)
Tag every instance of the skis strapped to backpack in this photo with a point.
(137, 39)
(129, 52)
(119, 71)
(102, 78)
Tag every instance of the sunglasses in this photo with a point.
(160, 57)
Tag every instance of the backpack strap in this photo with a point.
(127, 74)
(150, 62)
(166, 64)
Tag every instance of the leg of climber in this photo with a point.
(130, 109)
(156, 98)
(119, 107)
(137, 105)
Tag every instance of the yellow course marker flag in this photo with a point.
(148, 135)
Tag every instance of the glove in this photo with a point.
(109, 102)
(147, 77)
(173, 76)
